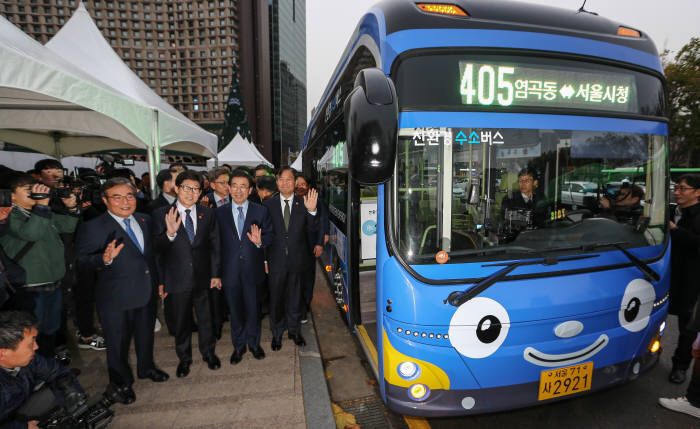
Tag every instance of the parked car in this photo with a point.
(572, 193)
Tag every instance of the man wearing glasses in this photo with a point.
(218, 180)
(118, 245)
(684, 293)
(526, 199)
(186, 239)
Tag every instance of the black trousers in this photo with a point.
(683, 353)
(308, 277)
(242, 299)
(118, 327)
(84, 297)
(178, 309)
(217, 304)
(693, 393)
(285, 303)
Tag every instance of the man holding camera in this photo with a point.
(33, 241)
(21, 371)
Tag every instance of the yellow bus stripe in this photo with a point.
(364, 337)
(416, 422)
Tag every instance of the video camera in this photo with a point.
(76, 412)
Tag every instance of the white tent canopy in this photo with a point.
(239, 152)
(297, 164)
(81, 43)
(51, 106)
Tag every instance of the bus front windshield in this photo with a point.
(493, 193)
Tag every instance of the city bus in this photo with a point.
(441, 147)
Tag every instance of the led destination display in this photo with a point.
(513, 84)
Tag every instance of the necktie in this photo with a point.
(132, 236)
(241, 221)
(287, 214)
(189, 225)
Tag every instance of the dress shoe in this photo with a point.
(258, 353)
(212, 361)
(124, 394)
(183, 369)
(276, 344)
(677, 376)
(298, 340)
(156, 375)
(236, 356)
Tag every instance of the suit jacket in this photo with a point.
(157, 203)
(212, 200)
(130, 280)
(183, 266)
(242, 256)
(290, 248)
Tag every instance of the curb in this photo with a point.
(317, 401)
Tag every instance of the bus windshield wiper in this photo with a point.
(458, 298)
(648, 272)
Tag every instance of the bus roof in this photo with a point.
(511, 15)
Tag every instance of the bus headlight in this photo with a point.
(419, 392)
(408, 370)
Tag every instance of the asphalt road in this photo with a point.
(632, 405)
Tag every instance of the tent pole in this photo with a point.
(57, 145)
(153, 153)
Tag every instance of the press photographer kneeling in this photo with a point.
(36, 392)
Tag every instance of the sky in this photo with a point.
(330, 23)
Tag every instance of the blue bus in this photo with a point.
(446, 148)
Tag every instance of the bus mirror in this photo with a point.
(371, 121)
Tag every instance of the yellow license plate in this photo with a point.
(565, 381)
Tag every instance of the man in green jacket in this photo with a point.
(33, 241)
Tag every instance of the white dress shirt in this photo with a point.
(133, 224)
(291, 202)
(193, 213)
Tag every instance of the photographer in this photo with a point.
(21, 371)
(34, 243)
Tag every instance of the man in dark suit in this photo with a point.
(166, 182)
(186, 239)
(218, 180)
(118, 244)
(244, 228)
(292, 219)
(317, 240)
(526, 199)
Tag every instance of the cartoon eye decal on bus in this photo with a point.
(479, 327)
(637, 303)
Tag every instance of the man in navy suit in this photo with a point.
(288, 256)
(118, 244)
(186, 239)
(244, 229)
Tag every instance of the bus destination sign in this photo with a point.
(504, 85)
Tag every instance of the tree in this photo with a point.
(235, 118)
(683, 77)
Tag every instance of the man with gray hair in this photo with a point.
(118, 244)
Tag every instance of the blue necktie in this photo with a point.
(189, 225)
(241, 221)
(132, 236)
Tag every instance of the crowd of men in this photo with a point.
(232, 244)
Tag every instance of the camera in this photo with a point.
(78, 413)
(5, 198)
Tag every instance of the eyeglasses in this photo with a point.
(525, 180)
(119, 198)
(189, 188)
(221, 182)
(240, 187)
(683, 188)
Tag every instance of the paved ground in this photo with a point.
(252, 394)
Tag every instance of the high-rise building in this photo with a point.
(185, 51)
(288, 70)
